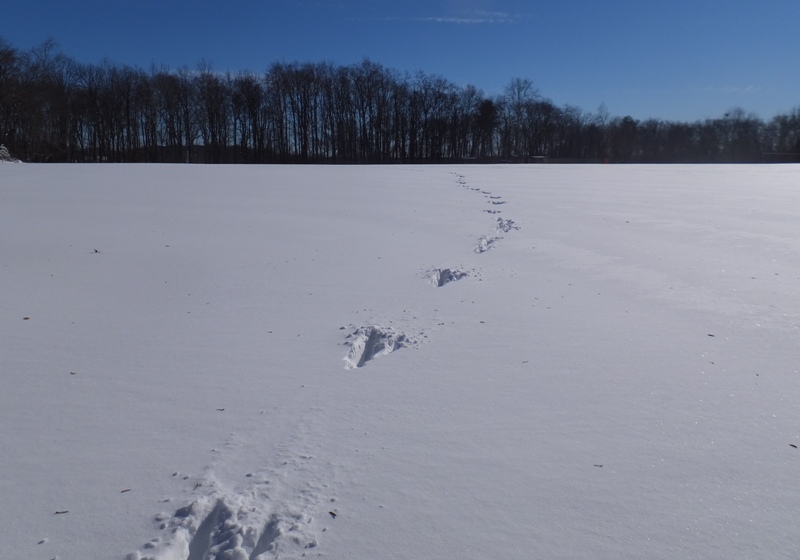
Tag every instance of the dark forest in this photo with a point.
(55, 109)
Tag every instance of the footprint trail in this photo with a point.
(488, 241)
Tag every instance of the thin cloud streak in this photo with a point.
(733, 89)
(480, 18)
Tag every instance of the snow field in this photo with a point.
(413, 362)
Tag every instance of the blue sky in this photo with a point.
(677, 59)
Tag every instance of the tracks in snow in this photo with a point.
(488, 241)
(260, 523)
(368, 342)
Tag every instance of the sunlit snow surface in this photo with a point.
(415, 362)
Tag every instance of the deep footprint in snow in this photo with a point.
(441, 276)
(368, 343)
(217, 528)
(506, 225)
(486, 242)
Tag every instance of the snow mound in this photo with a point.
(5, 156)
(368, 343)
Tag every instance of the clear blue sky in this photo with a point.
(676, 59)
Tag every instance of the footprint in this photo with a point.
(486, 243)
(266, 541)
(368, 343)
(225, 528)
(441, 276)
(217, 531)
(506, 225)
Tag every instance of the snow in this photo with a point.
(399, 362)
(5, 156)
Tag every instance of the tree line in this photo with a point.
(55, 109)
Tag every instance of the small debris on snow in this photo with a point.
(61, 512)
(333, 513)
(126, 490)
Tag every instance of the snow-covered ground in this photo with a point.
(432, 362)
